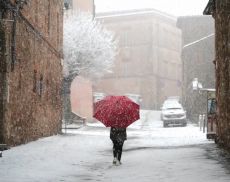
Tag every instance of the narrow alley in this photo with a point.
(151, 153)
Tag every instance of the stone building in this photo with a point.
(148, 63)
(30, 69)
(197, 60)
(220, 10)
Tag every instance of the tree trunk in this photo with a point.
(66, 100)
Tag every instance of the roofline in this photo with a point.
(192, 16)
(196, 41)
(133, 12)
(210, 8)
(208, 89)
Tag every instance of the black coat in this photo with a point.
(118, 134)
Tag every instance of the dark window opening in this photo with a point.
(35, 81)
(20, 75)
(67, 4)
(40, 85)
(49, 18)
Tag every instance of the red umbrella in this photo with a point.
(116, 111)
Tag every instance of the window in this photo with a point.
(35, 81)
(68, 4)
(49, 17)
(38, 83)
(40, 86)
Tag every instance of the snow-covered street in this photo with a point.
(151, 153)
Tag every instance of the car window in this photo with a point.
(172, 106)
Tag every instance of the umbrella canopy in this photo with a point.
(116, 111)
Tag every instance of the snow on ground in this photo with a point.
(149, 131)
(151, 153)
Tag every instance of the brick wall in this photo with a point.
(2, 78)
(222, 24)
(33, 100)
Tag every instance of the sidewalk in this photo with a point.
(155, 154)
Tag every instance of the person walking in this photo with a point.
(118, 136)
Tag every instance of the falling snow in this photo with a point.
(89, 49)
(151, 153)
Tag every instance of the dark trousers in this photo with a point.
(117, 149)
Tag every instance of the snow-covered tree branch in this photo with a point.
(89, 49)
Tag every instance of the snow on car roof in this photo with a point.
(172, 105)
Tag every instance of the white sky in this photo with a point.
(173, 7)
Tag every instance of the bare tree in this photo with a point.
(89, 51)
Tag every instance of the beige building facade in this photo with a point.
(80, 5)
(148, 61)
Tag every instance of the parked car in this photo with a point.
(173, 114)
(172, 99)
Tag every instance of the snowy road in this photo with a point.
(151, 153)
